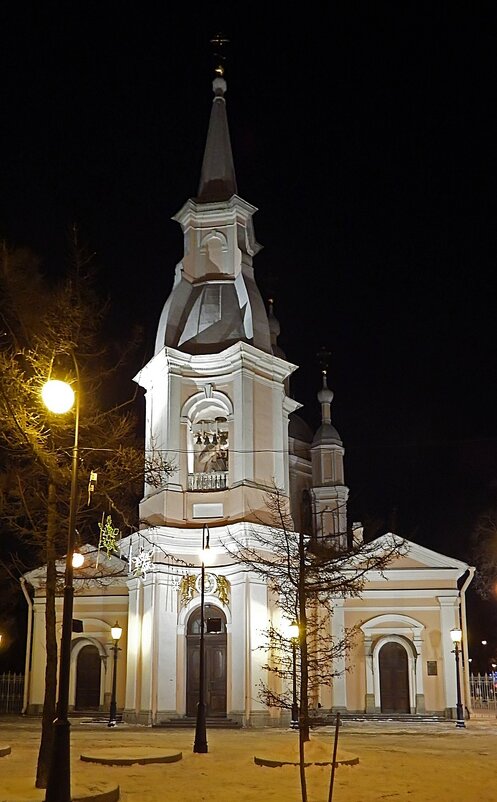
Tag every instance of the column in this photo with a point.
(132, 704)
(449, 607)
(166, 644)
(337, 624)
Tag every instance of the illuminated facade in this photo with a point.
(217, 404)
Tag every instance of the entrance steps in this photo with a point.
(94, 716)
(407, 718)
(189, 722)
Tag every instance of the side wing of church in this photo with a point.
(218, 405)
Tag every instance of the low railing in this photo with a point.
(216, 480)
(483, 688)
(11, 692)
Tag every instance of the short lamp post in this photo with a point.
(200, 743)
(116, 632)
(456, 636)
(59, 397)
(293, 631)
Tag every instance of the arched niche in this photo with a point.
(208, 416)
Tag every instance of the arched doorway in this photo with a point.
(394, 679)
(88, 670)
(215, 661)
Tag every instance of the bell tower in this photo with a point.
(216, 399)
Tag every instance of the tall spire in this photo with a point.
(217, 178)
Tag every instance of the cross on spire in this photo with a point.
(218, 43)
(323, 359)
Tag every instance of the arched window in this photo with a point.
(208, 416)
(211, 443)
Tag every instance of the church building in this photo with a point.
(218, 403)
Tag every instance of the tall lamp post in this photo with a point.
(59, 397)
(456, 635)
(200, 743)
(293, 631)
(116, 632)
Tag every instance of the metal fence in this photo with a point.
(11, 692)
(483, 689)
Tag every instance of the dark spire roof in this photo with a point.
(217, 179)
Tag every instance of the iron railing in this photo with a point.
(483, 688)
(216, 480)
(11, 692)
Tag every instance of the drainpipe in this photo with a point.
(467, 691)
(248, 653)
(27, 672)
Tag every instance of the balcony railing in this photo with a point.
(216, 480)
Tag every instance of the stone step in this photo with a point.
(189, 722)
(401, 717)
(94, 717)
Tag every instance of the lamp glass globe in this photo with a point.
(58, 396)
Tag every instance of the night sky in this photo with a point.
(367, 140)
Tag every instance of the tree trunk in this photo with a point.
(45, 751)
(304, 663)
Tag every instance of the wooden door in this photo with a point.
(88, 679)
(214, 664)
(394, 679)
(215, 675)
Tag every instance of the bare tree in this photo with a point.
(306, 576)
(46, 330)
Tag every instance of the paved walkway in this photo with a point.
(418, 762)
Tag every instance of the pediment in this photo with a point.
(106, 570)
(416, 556)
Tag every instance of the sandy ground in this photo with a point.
(416, 763)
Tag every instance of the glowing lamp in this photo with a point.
(77, 559)
(58, 396)
(116, 631)
(456, 635)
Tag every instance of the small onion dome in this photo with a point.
(274, 325)
(274, 331)
(326, 434)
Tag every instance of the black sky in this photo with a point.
(366, 138)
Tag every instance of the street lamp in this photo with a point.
(59, 397)
(116, 632)
(456, 635)
(200, 743)
(293, 631)
(484, 643)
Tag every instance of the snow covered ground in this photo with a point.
(412, 762)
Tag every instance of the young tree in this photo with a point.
(54, 331)
(306, 576)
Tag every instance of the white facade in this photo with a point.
(217, 404)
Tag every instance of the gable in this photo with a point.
(97, 568)
(416, 556)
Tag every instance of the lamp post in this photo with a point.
(456, 635)
(59, 397)
(116, 632)
(293, 631)
(200, 743)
